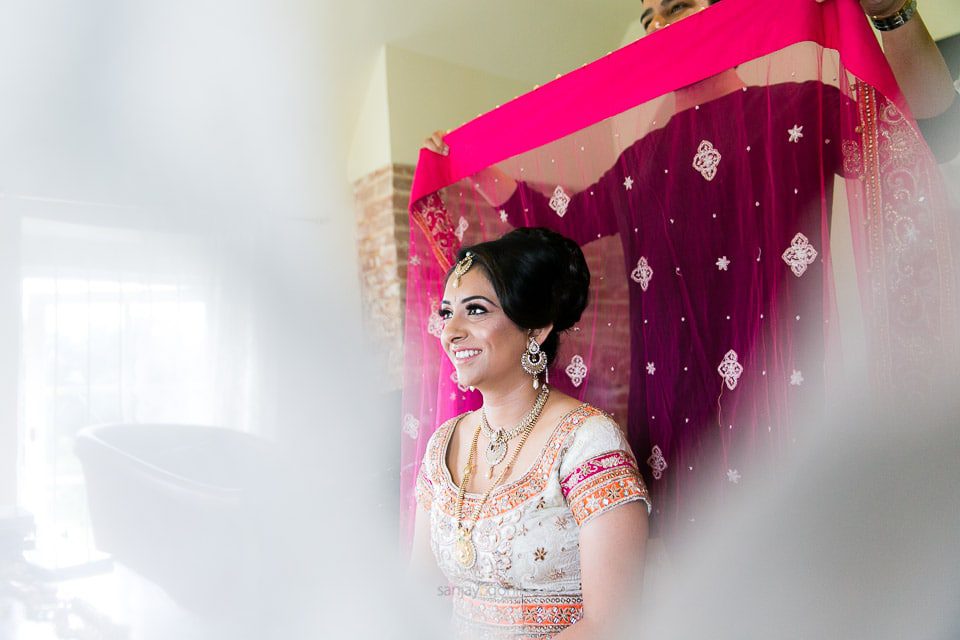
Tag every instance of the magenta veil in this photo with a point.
(702, 169)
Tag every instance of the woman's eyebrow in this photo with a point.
(471, 299)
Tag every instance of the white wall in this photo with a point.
(409, 95)
(427, 93)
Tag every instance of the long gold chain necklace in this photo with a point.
(466, 551)
(496, 449)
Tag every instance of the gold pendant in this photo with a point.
(466, 551)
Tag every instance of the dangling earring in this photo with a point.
(534, 361)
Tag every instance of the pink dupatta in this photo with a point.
(698, 169)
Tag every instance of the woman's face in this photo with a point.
(659, 13)
(482, 342)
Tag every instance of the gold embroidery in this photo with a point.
(604, 491)
(906, 248)
(541, 616)
(513, 494)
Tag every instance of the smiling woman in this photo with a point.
(703, 194)
(541, 279)
(554, 516)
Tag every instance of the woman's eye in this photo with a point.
(677, 8)
(475, 310)
(444, 314)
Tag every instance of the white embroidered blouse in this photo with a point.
(525, 582)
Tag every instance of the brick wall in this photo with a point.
(383, 232)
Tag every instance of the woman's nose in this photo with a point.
(452, 329)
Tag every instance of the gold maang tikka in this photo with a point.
(462, 267)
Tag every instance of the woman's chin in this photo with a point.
(465, 378)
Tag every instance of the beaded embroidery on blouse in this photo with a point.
(526, 580)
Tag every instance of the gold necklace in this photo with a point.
(466, 551)
(496, 450)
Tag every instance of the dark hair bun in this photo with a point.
(571, 284)
(540, 276)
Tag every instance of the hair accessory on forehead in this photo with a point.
(462, 267)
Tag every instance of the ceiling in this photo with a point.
(526, 40)
(529, 40)
(112, 100)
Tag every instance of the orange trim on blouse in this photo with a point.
(511, 495)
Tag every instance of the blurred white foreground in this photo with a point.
(176, 247)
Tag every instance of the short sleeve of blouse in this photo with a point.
(598, 472)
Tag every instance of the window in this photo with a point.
(117, 326)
